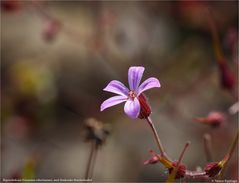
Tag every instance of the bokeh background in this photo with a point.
(57, 56)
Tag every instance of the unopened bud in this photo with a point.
(153, 160)
(181, 170)
(214, 119)
(228, 79)
(51, 30)
(212, 169)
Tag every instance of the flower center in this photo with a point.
(132, 95)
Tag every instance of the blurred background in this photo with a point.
(57, 56)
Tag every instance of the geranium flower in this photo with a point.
(132, 96)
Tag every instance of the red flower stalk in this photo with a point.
(214, 119)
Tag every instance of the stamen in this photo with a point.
(131, 94)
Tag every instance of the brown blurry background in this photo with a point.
(56, 57)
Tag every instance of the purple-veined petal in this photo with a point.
(132, 108)
(148, 84)
(112, 101)
(117, 87)
(134, 77)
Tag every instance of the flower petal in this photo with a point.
(134, 77)
(148, 84)
(132, 108)
(112, 101)
(117, 87)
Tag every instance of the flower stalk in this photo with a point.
(174, 172)
(228, 79)
(208, 147)
(228, 156)
(156, 137)
(96, 134)
(91, 161)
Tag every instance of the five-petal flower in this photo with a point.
(131, 95)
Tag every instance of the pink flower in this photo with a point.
(130, 96)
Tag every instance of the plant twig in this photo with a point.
(208, 147)
(156, 137)
(229, 155)
(91, 161)
(172, 175)
(215, 37)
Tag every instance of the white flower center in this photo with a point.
(132, 95)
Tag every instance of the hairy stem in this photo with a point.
(156, 137)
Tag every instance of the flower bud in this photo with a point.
(212, 169)
(158, 158)
(152, 160)
(214, 119)
(228, 79)
(181, 170)
(145, 109)
(51, 30)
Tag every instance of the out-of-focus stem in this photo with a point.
(208, 147)
(232, 148)
(91, 161)
(215, 37)
(156, 137)
(229, 155)
(172, 176)
(76, 36)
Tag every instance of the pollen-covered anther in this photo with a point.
(132, 95)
